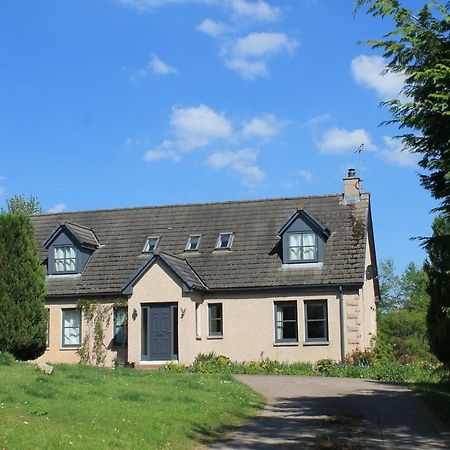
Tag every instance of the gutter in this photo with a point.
(342, 324)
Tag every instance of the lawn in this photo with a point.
(88, 407)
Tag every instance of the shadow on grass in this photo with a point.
(437, 397)
(380, 415)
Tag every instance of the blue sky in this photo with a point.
(117, 103)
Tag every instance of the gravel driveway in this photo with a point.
(337, 413)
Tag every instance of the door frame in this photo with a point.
(174, 333)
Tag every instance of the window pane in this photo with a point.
(295, 253)
(71, 318)
(315, 311)
(71, 327)
(294, 240)
(309, 239)
(121, 316)
(70, 265)
(59, 252)
(59, 266)
(70, 252)
(224, 240)
(289, 312)
(290, 330)
(317, 330)
(193, 242)
(215, 319)
(309, 253)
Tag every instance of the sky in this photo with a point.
(123, 103)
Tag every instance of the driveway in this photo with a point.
(336, 413)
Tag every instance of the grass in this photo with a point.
(88, 407)
(437, 397)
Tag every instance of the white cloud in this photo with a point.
(60, 207)
(148, 5)
(263, 44)
(241, 162)
(155, 66)
(196, 127)
(305, 175)
(314, 121)
(265, 126)
(249, 55)
(249, 70)
(256, 10)
(368, 72)
(339, 140)
(164, 151)
(395, 153)
(212, 28)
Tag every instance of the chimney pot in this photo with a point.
(351, 173)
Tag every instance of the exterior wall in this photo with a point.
(55, 353)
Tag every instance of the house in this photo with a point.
(291, 279)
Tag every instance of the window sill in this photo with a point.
(317, 343)
(302, 265)
(198, 338)
(70, 348)
(214, 337)
(285, 344)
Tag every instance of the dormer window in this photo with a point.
(302, 247)
(224, 241)
(151, 244)
(65, 258)
(193, 242)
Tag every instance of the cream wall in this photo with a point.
(56, 353)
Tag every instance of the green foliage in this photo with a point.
(19, 204)
(23, 317)
(418, 47)
(83, 407)
(6, 359)
(377, 364)
(438, 270)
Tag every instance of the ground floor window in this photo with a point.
(286, 322)
(120, 327)
(71, 327)
(316, 320)
(215, 315)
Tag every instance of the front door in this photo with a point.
(159, 332)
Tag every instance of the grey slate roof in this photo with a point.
(85, 236)
(253, 261)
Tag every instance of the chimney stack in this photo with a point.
(352, 188)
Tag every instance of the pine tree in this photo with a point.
(23, 318)
(438, 270)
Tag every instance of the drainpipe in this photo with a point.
(342, 324)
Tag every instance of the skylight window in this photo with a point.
(193, 242)
(151, 244)
(224, 241)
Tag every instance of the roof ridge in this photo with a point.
(226, 202)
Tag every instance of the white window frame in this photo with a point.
(280, 320)
(215, 334)
(301, 247)
(145, 249)
(63, 344)
(324, 304)
(188, 244)
(230, 241)
(65, 259)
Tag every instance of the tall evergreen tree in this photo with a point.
(438, 270)
(23, 318)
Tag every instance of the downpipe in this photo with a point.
(342, 324)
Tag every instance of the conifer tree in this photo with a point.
(23, 318)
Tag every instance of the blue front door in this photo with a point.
(159, 332)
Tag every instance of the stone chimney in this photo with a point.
(352, 186)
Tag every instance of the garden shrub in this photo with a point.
(6, 359)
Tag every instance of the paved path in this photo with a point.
(337, 413)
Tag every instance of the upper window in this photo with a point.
(71, 327)
(302, 247)
(151, 244)
(65, 259)
(286, 322)
(193, 242)
(215, 319)
(225, 240)
(120, 327)
(316, 318)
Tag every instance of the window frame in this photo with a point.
(115, 343)
(187, 248)
(302, 260)
(55, 259)
(158, 238)
(63, 345)
(325, 309)
(215, 334)
(281, 304)
(230, 241)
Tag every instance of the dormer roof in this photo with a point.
(304, 214)
(84, 236)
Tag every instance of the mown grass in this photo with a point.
(88, 407)
(437, 397)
